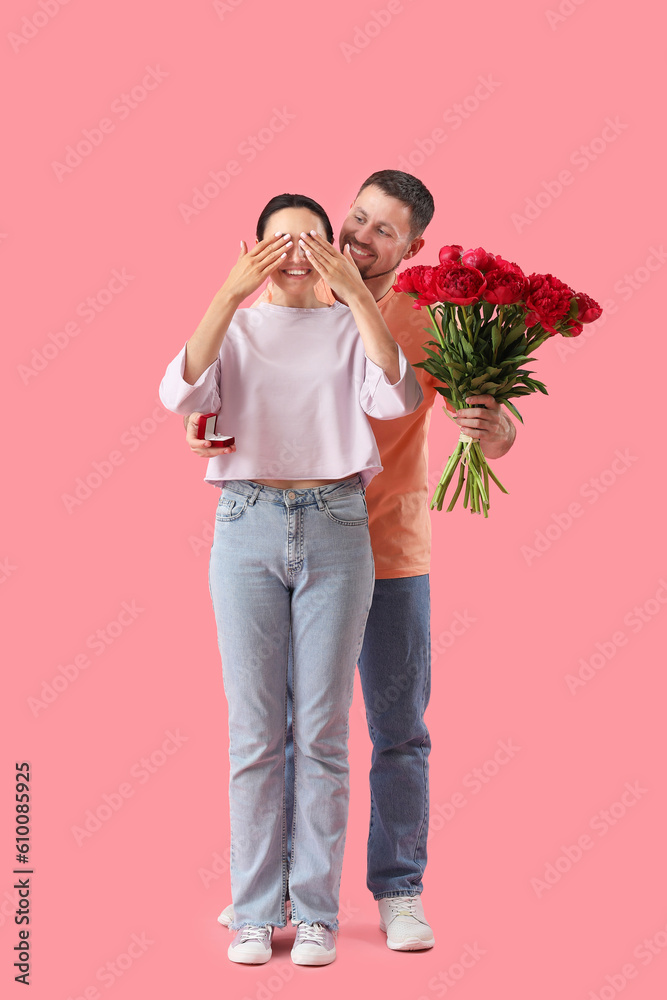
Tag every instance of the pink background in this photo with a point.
(585, 481)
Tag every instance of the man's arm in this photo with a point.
(489, 424)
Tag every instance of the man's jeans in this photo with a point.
(289, 562)
(395, 670)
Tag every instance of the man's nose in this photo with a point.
(362, 233)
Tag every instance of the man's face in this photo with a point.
(377, 227)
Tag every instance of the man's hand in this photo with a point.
(488, 424)
(205, 449)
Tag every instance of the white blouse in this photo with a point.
(294, 387)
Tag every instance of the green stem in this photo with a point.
(458, 489)
(438, 331)
(467, 324)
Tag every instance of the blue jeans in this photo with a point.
(395, 670)
(289, 563)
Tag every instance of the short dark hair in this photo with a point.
(292, 201)
(408, 189)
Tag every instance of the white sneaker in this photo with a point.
(402, 919)
(315, 944)
(251, 945)
(226, 918)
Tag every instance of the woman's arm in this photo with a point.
(342, 274)
(248, 273)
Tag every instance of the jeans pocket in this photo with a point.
(230, 507)
(350, 509)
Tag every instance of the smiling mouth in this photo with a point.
(361, 254)
(297, 272)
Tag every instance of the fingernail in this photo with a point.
(313, 232)
(289, 244)
(277, 234)
(304, 234)
(283, 255)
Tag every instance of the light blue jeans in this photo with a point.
(286, 561)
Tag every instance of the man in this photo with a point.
(383, 228)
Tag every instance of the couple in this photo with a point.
(320, 396)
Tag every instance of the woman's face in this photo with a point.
(295, 275)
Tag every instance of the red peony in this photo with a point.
(506, 285)
(458, 284)
(422, 279)
(478, 258)
(418, 281)
(451, 254)
(404, 282)
(548, 301)
(588, 309)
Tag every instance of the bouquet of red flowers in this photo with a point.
(488, 318)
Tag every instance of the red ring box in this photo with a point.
(206, 431)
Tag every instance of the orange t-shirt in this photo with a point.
(398, 512)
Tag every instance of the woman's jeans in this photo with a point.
(286, 561)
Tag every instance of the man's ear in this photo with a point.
(414, 248)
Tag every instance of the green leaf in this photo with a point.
(513, 409)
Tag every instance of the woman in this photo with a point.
(293, 381)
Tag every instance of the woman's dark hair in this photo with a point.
(293, 201)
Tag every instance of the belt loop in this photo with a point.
(254, 495)
(318, 498)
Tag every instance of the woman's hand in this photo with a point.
(338, 269)
(253, 266)
(205, 449)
